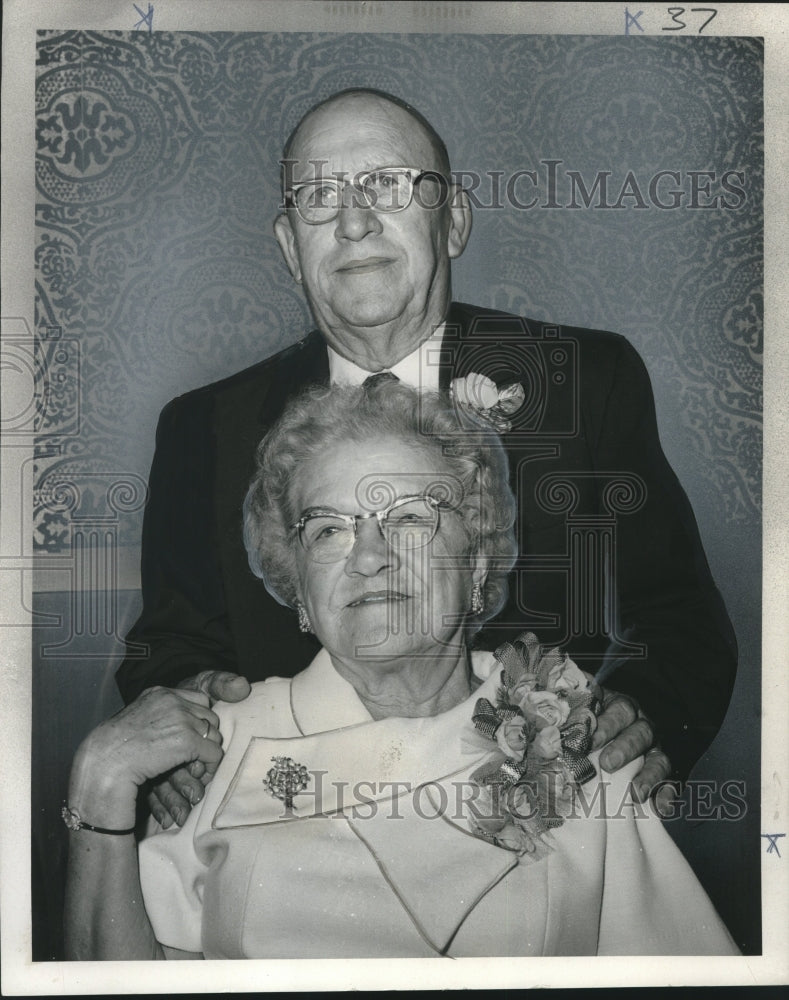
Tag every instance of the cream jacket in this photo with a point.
(375, 859)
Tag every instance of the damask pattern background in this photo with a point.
(157, 270)
(157, 184)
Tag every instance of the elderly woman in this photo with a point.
(402, 796)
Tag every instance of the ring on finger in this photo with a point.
(207, 728)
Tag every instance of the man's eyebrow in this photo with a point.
(315, 180)
(349, 175)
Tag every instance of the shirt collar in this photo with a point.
(419, 369)
(322, 700)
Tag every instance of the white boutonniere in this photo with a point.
(481, 396)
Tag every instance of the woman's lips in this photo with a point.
(377, 597)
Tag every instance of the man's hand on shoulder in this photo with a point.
(171, 799)
(626, 733)
(219, 685)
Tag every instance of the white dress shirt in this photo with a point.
(419, 369)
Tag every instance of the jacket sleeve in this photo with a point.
(667, 600)
(184, 624)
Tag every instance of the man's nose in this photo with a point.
(355, 219)
(371, 553)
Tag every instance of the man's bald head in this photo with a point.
(364, 100)
(377, 279)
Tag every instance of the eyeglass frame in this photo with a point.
(415, 174)
(380, 515)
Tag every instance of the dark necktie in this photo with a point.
(378, 378)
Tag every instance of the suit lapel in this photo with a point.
(473, 342)
(304, 365)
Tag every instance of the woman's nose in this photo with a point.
(371, 552)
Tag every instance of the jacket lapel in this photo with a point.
(479, 340)
(350, 759)
(305, 364)
(438, 870)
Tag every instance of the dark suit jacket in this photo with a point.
(611, 564)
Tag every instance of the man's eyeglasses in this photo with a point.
(387, 189)
(407, 524)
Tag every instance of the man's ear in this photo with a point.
(459, 221)
(287, 244)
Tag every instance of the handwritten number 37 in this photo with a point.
(677, 12)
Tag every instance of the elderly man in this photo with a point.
(371, 246)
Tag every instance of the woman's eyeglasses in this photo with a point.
(387, 189)
(407, 524)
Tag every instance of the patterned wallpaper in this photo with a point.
(157, 271)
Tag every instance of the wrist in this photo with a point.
(75, 822)
(101, 797)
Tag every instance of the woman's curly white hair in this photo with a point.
(320, 417)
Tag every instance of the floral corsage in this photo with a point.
(480, 395)
(541, 725)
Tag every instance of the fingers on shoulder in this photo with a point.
(657, 766)
(191, 729)
(216, 685)
(195, 693)
(158, 811)
(191, 788)
(619, 712)
(159, 695)
(198, 740)
(167, 804)
(641, 733)
(179, 704)
(621, 707)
